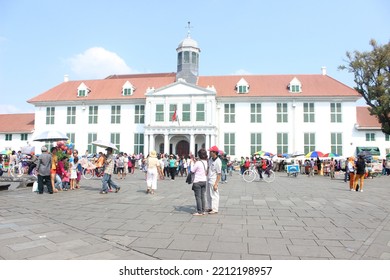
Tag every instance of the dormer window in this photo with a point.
(242, 86)
(295, 86)
(83, 90)
(128, 89)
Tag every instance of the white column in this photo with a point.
(192, 144)
(293, 127)
(213, 140)
(152, 143)
(166, 144)
(146, 144)
(207, 143)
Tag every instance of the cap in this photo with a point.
(214, 149)
(109, 149)
(44, 149)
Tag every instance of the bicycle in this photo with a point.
(88, 173)
(14, 171)
(251, 174)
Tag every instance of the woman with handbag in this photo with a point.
(199, 169)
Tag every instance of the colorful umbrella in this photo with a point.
(331, 155)
(314, 154)
(262, 154)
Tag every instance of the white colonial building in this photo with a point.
(181, 112)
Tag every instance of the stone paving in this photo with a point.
(291, 218)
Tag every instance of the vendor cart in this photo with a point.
(293, 170)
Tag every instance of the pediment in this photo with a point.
(181, 88)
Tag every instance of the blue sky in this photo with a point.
(42, 40)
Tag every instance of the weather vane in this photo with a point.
(189, 29)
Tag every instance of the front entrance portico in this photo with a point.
(181, 141)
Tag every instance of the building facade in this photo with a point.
(16, 131)
(183, 111)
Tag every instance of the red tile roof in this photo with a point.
(276, 85)
(17, 123)
(365, 120)
(260, 86)
(105, 89)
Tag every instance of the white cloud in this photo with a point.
(10, 109)
(97, 63)
(242, 72)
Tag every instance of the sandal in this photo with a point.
(152, 192)
(197, 214)
(147, 190)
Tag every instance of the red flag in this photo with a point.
(174, 116)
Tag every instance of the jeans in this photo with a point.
(44, 180)
(346, 176)
(58, 182)
(199, 189)
(107, 181)
(223, 175)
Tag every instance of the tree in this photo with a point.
(372, 77)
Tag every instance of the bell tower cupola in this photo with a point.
(188, 59)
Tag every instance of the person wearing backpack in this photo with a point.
(360, 173)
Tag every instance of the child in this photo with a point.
(73, 173)
(65, 181)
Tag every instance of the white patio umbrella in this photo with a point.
(27, 150)
(50, 135)
(297, 153)
(104, 144)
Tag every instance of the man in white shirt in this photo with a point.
(213, 178)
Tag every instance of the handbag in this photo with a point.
(35, 187)
(190, 178)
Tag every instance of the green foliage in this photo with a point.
(60, 155)
(372, 77)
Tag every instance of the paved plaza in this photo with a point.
(291, 218)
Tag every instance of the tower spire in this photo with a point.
(188, 58)
(189, 29)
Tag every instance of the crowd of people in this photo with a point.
(18, 163)
(62, 171)
(58, 171)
